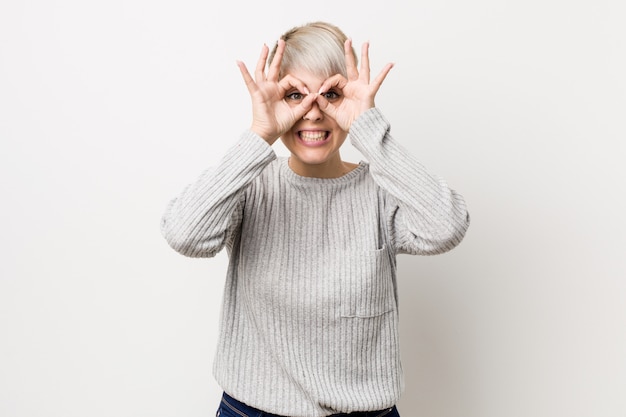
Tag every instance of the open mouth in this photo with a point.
(313, 137)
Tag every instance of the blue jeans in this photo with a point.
(230, 407)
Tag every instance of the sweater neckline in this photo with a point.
(347, 177)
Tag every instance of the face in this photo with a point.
(314, 141)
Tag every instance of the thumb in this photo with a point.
(326, 106)
(305, 105)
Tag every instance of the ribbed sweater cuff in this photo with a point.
(368, 131)
(251, 148)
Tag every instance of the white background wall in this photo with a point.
(107, 109)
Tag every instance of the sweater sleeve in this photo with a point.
(424, 216)
(208, 213)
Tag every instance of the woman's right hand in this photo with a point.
(271, 114)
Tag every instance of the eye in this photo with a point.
(331, 95)
(295, 96)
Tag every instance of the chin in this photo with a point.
(310, 158)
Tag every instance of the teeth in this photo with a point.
(313, 136)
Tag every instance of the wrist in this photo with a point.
(268, 137)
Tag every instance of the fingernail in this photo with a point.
(306, 90)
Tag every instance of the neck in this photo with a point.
(334, 168)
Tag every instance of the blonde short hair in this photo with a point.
(317, 47)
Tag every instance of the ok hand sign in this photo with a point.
(271, 114)
(358, 93)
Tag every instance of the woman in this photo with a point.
(309, 323)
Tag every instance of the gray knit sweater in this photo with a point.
(309, 323)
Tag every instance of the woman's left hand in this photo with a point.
(357, 91)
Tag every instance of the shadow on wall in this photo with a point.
(435, 333)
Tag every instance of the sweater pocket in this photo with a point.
(367, 285)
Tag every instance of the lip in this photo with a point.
(313, 143)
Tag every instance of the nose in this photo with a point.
(314, 114)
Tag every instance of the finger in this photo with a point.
(305, 105)
(351, 70)
(381, 76)
(259, 72)
(365, 63)
(274, 69)
(290, 81)
(247, 78)
(326, 106)
(338, 81)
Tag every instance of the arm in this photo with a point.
(424, 216)
(206, 215)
